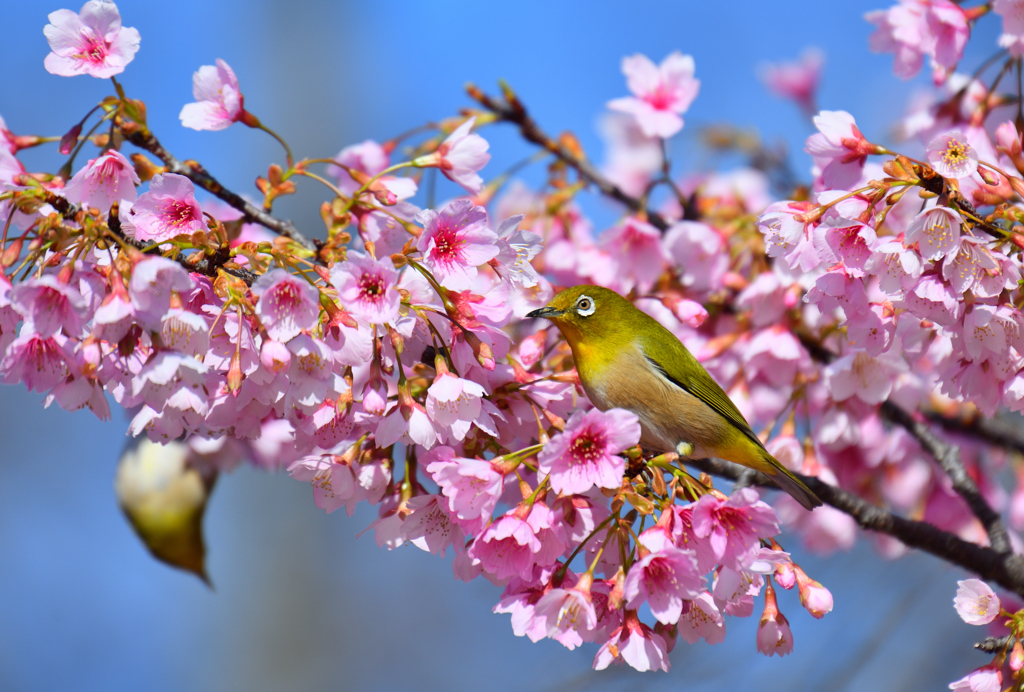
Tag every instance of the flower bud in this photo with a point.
(813, 596)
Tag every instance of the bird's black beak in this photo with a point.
(547, 313)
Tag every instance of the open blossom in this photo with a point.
(288, 304)
(569, 613)
(516, 248)
(951, 155)
(167, 210)
(1012, 12)
(455, 240)
(664, 578)
(368, 287)
(985, 679)
(636, 246)
(104, 180)
(370, 158)
(660, 92)
(859, 374)
(839, 149)
(460, 157)
(472, 486)
(796, 80)
(975, 602)
(734, 526)
(218, 100)
(916, 28)
(91, 42)
(936, 232)
(636, 644)
(585, 453)
(50, 306)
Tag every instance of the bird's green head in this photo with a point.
(587, 314)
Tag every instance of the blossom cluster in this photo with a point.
(393, 361)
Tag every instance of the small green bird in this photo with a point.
(626, 359)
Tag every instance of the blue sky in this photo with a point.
(301, 602)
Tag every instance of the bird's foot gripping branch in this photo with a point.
(392, 358)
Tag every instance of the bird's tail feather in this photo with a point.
(794, 486)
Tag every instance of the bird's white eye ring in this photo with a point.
(585, 306)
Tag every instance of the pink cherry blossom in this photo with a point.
(773, 633)
(975, 602)
(515, 250)
(702, 621)
(636, 246)
(796, 80)
(50, 306)
(695, 249)
(568, 613)
(104, 180)
(839, 149)
(916, 28)
(985, 679)
(338, 481)
(585, 453)
(734, 526)
(367, 287)
(1012, 12)
(429, 526)
(952, 156)
(168, 209)
(460, 157)
(370, 158)
(37, 362)
(936, 232)
(636, 644)
(660, 92)
(150, 288)
(407, 422)
(664, 578)
(455, 240)
(472, 486)
(813, 596)
(857, 373)
(287, 306)
(91, 42)
(454, 403)
(218, 99)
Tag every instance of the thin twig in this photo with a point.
(1005, 570)
(198, 175)
(513, 111)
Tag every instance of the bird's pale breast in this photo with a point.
(668, 414)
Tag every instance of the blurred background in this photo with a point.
(301, 603)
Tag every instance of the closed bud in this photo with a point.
(70, 139)
(1017, 656)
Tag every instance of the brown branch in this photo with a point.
(996, 432)
(198, 175)
(947, 456)
(1005, 570)
(207, 265)
(512, 110)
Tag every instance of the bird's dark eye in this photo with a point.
(585, 306)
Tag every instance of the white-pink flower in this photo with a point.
(1012, 12)
(936, 232)
(636, 644)
(951, 155)
(585, 454)
(702, 621)
(455, 240)
(516, 249)
(660, 92)
(796, 80)
(288, 304)
(168, 209)
(367, 287)
(460, 157)
(91, 42)
(104, 180)
(839, 149)
(218, 100)
(664, 578)
(50, 306)
(454, 403)
(975, 602)
(985, 679)
(860, 374)
(472, 486)
(734, 526)
(773, 633)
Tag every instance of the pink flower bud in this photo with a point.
(68, 141)
(1017, 657)
(813, 596)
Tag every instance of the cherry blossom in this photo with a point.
(104, 180)
(734, 526)
(1012, 12)
(975, 602)
(91, 42)
(367, 288)
(168, 209)
(952, 156)
(287, 306)
(585, 454)
(218, 99)
(460, 157)
(455, 241)
(796, 80)
(839, 149)
(636, 644)
(660, 92)
(773, 633)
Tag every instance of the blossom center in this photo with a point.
(447, 245)
(93, 50)
(178, 213)
(587, 447)
(955, 154)
(371, 287)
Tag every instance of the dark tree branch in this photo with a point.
(948, 457)
(513, 111)
(1005, 570)
(996, 432)
(206, 265)
(198, 175)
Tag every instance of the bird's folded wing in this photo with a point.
(711, 394)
